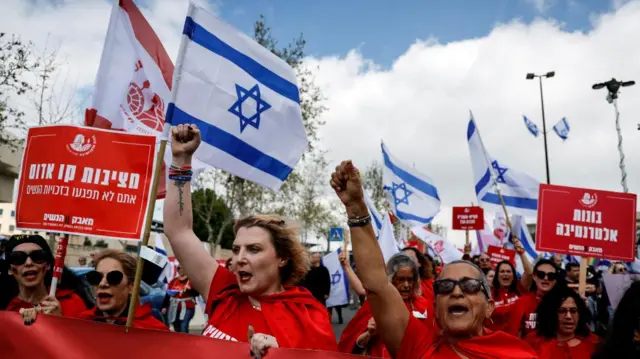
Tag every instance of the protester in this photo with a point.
(112, 282)
(619, 268)
(425, 268)
(506, 290)
(360, 335)
(463, 300)
(522, 319)
(318, 279)
(562, 330)
(623, 341)
(268, 260)
(558, 261)
(182, 302)
(82, 261)
(484, 262)
(25, 288)
(491, 274)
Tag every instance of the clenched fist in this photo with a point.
(346, 182)
(185, 140)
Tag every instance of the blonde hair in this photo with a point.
(286, 242)
(127, 261)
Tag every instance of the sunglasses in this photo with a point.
(564, 311)
(467, 286)
(18, 258)
(113, 278)
(549, 275)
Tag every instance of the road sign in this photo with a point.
(336, 234)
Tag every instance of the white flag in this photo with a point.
(387, 239)
(441, 246)
(562, 128)
(339, 294)
(244, 99)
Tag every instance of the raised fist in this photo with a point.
(185, 140)
(346, 182)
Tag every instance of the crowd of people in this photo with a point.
(272, 293)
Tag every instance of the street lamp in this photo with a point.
(613, 88)
(531, 76)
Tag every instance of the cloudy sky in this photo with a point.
(410, 74)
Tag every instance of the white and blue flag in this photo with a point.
(412, 196)
(532, 127)
(339, 294)
(521, 230)
(244, 99)
(519, 191)
(382, 228)
(376, 218)
(562, 129)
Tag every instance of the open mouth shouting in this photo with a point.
(458, 310)
(30, 275)
(244, 277)
(104, 297)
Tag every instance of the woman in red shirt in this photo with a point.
(426, 270)
(360, 335)
(463, 300)
(113, 283)
(562, 330)
(268, 260)
(522, 318)
(31, 268)
(182, 302)
(506, 290)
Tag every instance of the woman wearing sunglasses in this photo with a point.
(112, 283)
(259, 290)
(506, 290)
(30, 271)
(462, 297)
(522, 319)
(360, 335)
(562, 330)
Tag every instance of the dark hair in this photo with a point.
(513, 287)
(422, 260)
(547, 312)
(626, 322)
(559, 280)
(569, 266)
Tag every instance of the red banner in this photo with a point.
(63, 338)
(499, 254)
(586, 222)
(468, 218)
(85, 181)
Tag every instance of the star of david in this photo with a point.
(335, 277)
(501, 171)
(406, 193)
(261, 106)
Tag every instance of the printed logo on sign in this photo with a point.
(144, 108)
(589, 200)
(82, 146)
(83, 221)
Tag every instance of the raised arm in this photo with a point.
(389, 311)
(527, 276)
(178, 215)
(353, 279)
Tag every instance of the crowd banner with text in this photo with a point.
(63, 338)
(586, 222)
(499, 254)
(85, 181)
(468, 218)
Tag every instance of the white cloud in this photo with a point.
(542, 6)
(420, 104)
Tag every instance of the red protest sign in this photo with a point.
(499, 254)
(586, 222)
(468, 218)
(85, 181)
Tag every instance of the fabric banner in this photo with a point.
(339, 294)
(62, 338)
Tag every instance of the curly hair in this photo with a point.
(513, 287)
(547, 312)
(286, 242)
(127, 261)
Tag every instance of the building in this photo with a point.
(9, 163)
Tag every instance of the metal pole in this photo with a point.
(544, 133)
(622, 167)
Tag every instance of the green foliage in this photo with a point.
(87, 242)
(210, 214)
(100, 243)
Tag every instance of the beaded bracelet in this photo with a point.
(181, 174)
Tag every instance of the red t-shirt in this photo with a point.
(505, 302)
(294, 317)
(522, 319)
(552, 349)
(186, 292)
(426, 286)
(419, 342)
(70, 303)
(143, 318)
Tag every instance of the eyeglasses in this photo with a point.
(564, 311)
(18, 258)
(113, 278)
(467, 286)
(549, 275)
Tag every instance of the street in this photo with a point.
(347, 314)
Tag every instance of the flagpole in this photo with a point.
(133, 303)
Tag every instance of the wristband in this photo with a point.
(359, 221)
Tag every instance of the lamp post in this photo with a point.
(613, 88)
(531, 76)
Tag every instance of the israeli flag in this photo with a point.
(244, 99)
(532, 127)
(412, 196)
(562, 129)
(520, 228)
(339, 294)
(383, 229)
(519, 191)
(376, 218)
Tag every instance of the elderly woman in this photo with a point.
(112, 282)
(563, 331)
(268, 260)
(360, 336)
(426, 268)
(30, 272)
(463, 300)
